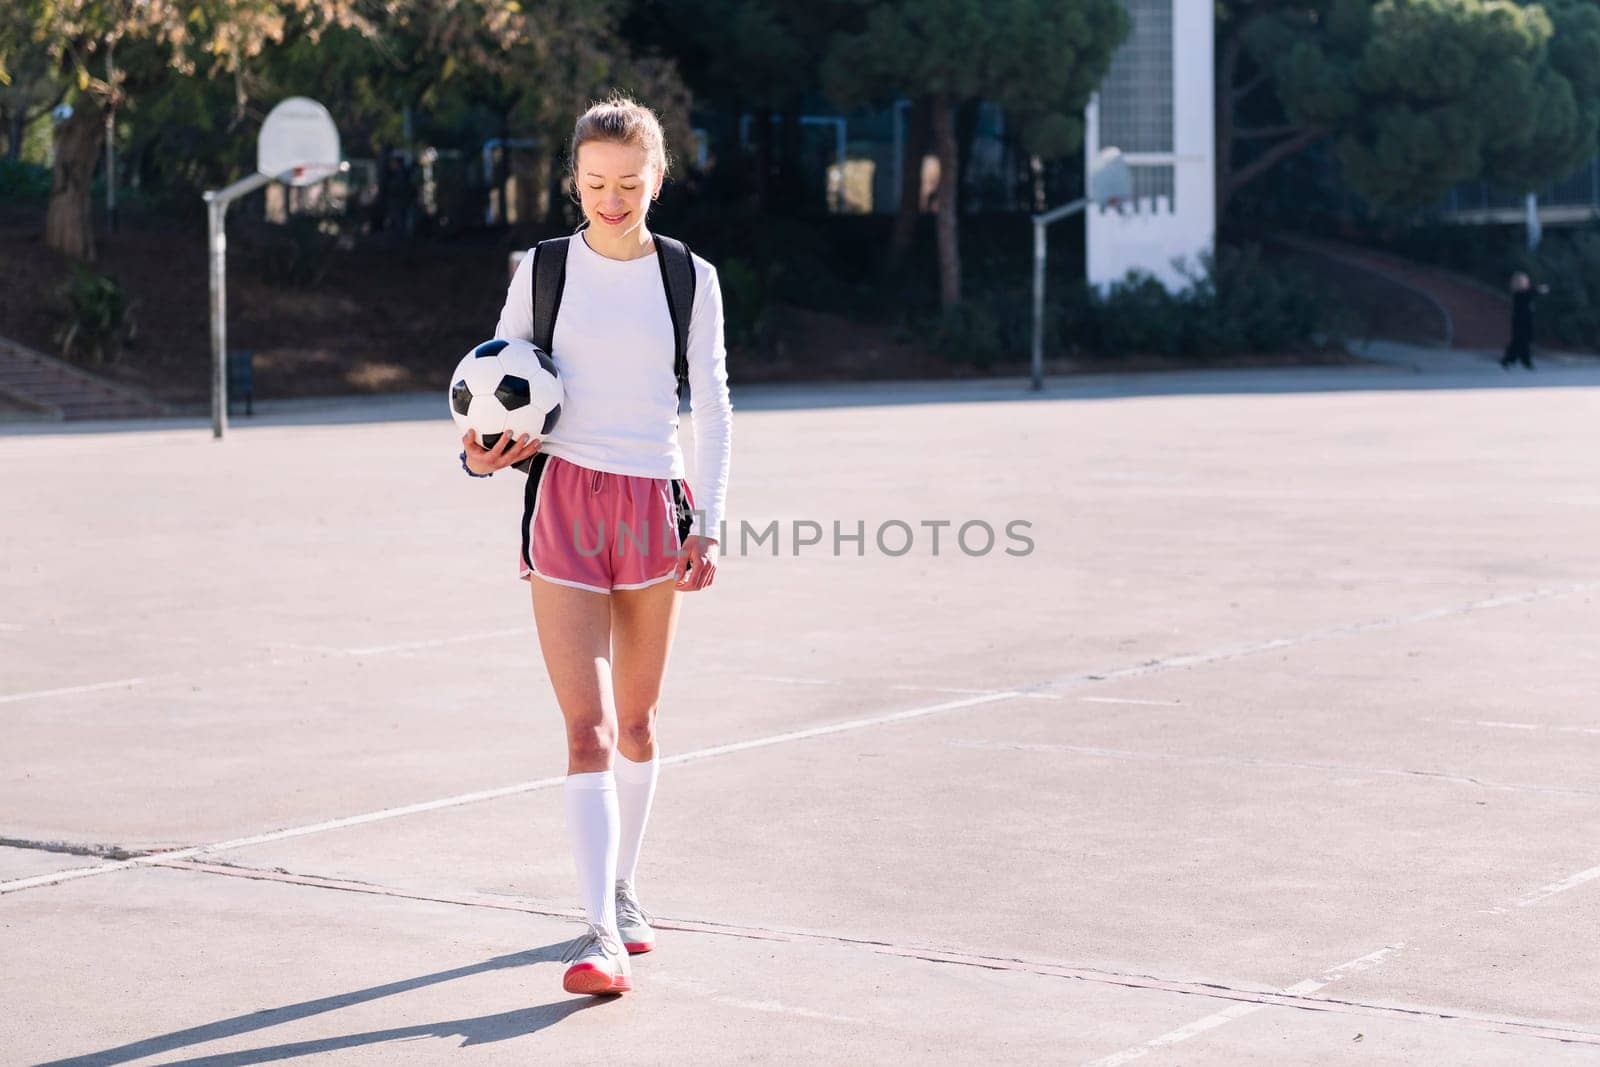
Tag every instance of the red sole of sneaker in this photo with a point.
(587, 978)
(639, 948)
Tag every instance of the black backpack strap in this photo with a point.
(677, 275)
(549, 279)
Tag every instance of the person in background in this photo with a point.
(1520, 349)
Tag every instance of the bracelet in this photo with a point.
(469, 470)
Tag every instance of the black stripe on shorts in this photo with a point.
(529, 499)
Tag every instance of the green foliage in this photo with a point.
(1238, 303)
(745, 301)
(1039, 59)
(23, 183)
(968, 334)
(1138, 315)
(1421, 94)
(98, 317)
(1235, 304)
(1568, 262)
(296, 254)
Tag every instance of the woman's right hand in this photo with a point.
(506, 451)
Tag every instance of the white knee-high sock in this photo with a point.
(592, 825)
(636, 788)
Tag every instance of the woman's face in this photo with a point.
(615, 184)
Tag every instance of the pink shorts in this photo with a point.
(602, 531)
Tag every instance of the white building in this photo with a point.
(1156, 105)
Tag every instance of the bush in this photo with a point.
(296, 254)
(1138, 314)
(967, 334)
(24, 183)
(1569, 263)
(98, 316)
(1235, 303)
(1239, 304)
(744, 296)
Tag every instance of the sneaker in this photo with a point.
(599, 963)
(632, 922)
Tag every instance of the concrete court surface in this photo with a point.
(1282, 745)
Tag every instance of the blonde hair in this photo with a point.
(619, 119)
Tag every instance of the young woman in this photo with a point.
(607, 544)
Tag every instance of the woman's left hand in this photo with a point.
(697, 563)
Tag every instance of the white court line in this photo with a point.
(280, 835)
(1148, 667)
(962, 689)
(326, 650)
(1493, 725)
(1546, 892)
(438, 642)
(489, 794)
(92, 687)
(1211, 1022)
(1253, 761)
(705, 989)
(1342, 630)
(1237, 1011)
(1032, 691)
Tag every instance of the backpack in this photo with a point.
(677, 277)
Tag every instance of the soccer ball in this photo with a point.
(505, 386)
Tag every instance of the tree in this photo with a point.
(1415, 95)
(207, 38)
(755, 60)
(29, 85)
(379, 62)
(1039, 59)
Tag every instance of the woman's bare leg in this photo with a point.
(575, 638)
(643, 623)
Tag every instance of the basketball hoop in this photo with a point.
(299, 146)
(1110, 183)
(1110, 180)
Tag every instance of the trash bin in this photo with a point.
(242, 379)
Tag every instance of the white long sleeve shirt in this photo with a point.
(614, 351)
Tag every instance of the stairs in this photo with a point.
(62, 391)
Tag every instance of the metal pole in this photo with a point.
(1039, 223)
(900, 152)
(1534, 230)
(111, 143)
(840, 149)
(216, 212)
(1038, 305)
(217, 201)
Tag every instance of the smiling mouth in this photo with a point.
(613, 219)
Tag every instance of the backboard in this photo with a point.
(298, 144)
(1110, 181)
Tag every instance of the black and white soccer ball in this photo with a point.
(505, 386)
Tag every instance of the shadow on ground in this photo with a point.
(478, 1030)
